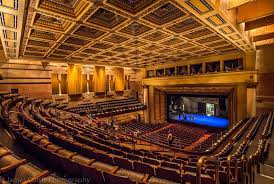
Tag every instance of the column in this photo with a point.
(146, 112)
(203, 67)
(241, 102)
(251, 99)
(151, 96)
(88, 83)
(59, 83)
(221, 65)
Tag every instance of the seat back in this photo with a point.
(123, 163)
(168, 174)
(115, 179)
(7, 160)
(24, 172)
(143, 168)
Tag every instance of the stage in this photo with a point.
(200, 119)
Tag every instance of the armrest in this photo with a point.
(116, 168)
(6, 153)
(36, 178)
(146, 177)
(12, 166)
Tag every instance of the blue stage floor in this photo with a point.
(199, 119)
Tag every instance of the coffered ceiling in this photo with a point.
(135, 33)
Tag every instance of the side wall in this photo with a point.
(34, 78)
(265, 87)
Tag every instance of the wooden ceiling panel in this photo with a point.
(128, 33)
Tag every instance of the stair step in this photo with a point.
(267, 170)
(263, 179)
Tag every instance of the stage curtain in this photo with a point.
(64, 84)
(54, 83)
(119, 79)
(100, 79)
(74, 79)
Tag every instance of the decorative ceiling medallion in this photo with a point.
(49, 22)
(199, 33)
(185, 25)
(115, 38)
(131, 6)
(88, 32)
(135, 29)
(43, 34)
(164, 14)
(76, 41)
(155, 36)
(105, 18)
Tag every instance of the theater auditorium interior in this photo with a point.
(136, 91)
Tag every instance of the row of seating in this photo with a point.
(135, 161)
(140, 164)
(15, 170)
(107, 108)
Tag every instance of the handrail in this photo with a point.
(244, 168)
(229, 159)
(200, 163)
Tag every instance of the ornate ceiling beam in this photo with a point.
(260, 22)
(263, 37)
(212, 15)
(12, 15)
(237, 3)
(254, 10)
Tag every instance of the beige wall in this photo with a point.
(33, 90)
(34, 78)
(30, 78)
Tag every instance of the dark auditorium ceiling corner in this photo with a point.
(122, 32)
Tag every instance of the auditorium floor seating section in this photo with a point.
(67, 143)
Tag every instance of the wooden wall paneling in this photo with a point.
(74, 78)
(157, 105)
(119, 79)
(84, 83)
(64, 84)
(54, 83)
(91, 83)
(100, 79)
